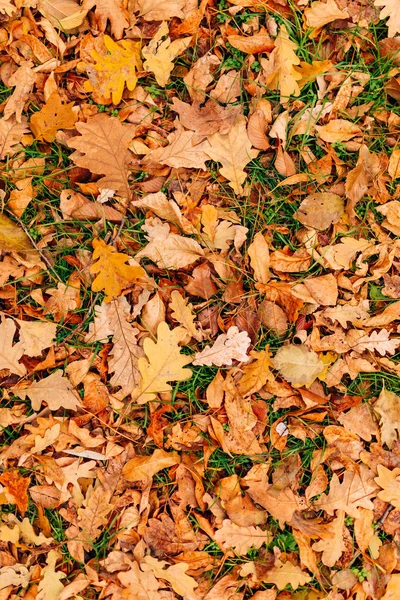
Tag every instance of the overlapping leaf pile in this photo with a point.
(200, 299)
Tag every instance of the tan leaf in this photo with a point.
(365, 533)
(76, 206)
(15, 576)
(7, 8)
(280, 68)
(338, 130)
(297, 364)
(10, 353)
(21, 196)
(233, 150)
(241, 539)
(311, 72)
(140, 585)
(163, 363)
(255, 374)
(23, 81)
(361, 177)
(332, 544)
(11, 133)
(55, 390)
(152, 10)
(321, 13)
(283, 574)
(354, 491)
(53, 116)
(166, 209)
(200, 76)
(103, 149)
(160, 53)
(182, 151)
(256, 130)
(389, 481)
(229, 346)
(206, 120)
(92, 516)
(181, 583)
(394, 164)
(253, 44)
(36, 336)
(113, 11)
(143, 467)
(182, 312)
(62, 14)
(388, 408)
(320, 210)
(391, 9)
(259, 258)
(172, 251)
(50, 586)
(14, 239)
(388, 315)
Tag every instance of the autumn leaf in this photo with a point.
(321, 13)
(355, 490)
(182, 312)
(103, 148)
(241, 539)
(320, 210)
(14, 239)
(113, 11)
(92, 516)
(17, 487)
(388, 408)
(11, 132)
(229, 346)
(10, 353)
(233, 150)
(55, 390)
(142, 467)
(36, 336)
(391, 9)
(297, 364)
(332, 544)
(53, 116)
(171, 251)
(160, 53)
(181, 583)
(253, 44)
(163, 363)
(50, 586)
(280, 68)
(394, 164)
(63, 14)
(255, 374)
(113, 274)
(283, 574)
(114, 69)
(338, 130)
(389, 481)
(258, 252)
(23, 81)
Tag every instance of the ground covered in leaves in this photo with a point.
(200, 299)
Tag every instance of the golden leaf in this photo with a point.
(114, 69)
(11, 133)
(182, 312)
(10, 353)
(53, 116)
(297, 364)
(62, 14)
(321, 13)
(256, 374)
(280, 68)
(160, 53)
(14, 239)
(142, 467)
(389, 481)
(113, 275)
(164, 363)
(55, 390)
(109, 10)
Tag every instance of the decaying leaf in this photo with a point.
(297, 364)
(229, 346)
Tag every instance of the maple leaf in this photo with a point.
(391, 9)
(228, 346)
(164, 363)
(113, 275)
(171, 251)
(355, 490)
(11, 132)
(55, 390)
(321, 13)
(280, 68)
(389, 481)
(283, 574)
(109, 10)
(233, 150)
(142, 467)
(181, 583)
(103, 149)
(54, 115)
(241, 539)
(297, 364)
(113, 69)
(320, 210)
(160, 53)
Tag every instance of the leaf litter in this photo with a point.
(200, 299)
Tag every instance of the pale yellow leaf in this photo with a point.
(55, 390)
(321, 13)
(36, 336)
(391, 9)
(10, 353)
(297, 364)
(182, 312)
(229, 346)
(160, 53)
(240, 538)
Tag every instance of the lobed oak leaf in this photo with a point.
(356, 490)
(113, 70)
(23, 81)
(347, 313)
(50, 586)
(377, 341)
(14, 576)
(233, 150)
(10, 353)
(143, 467)
(152, 10)
(166, 209)
(321, 13)
(54, 115)
(62, 14)
(113, 11)
(388, 408)
(55, 390)
(228, 346)
(332, 544)
(361, 178)
(160, 53)
(255, 374)
(7, 8)
(183, 151)
(283, 574)
(394, 164)
(163, 363)
(103, 149)
(171, 251)
(391, 9)
(182, 312)
(389, 481)
(298, 365)
(181, 583)
(92, 515)
(320, 210)
(11, 132)
(36, 336)
(280, 68)
(311, 72)
(205, 120)
(113, 275)
(240, 538)
(76, 206)
(139, 585)
(14, 239)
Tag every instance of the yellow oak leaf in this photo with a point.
(256, 374)
(114, 69)
(181, 583)
(11, 133)
(233, 150)
(280, 68)
(53, 116)
(160, 53)
(391, 9)
(283, 574)
(164, 363)
(311, 72)
(62, 14)
(182, 312)
(113, 275)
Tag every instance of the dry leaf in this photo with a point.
(256, 374)
(388, 408)
(23, 81)
(11, 132)
(55, 390)
(259, 258)
(321, 13)
(113, 11)
(297, 364)
(172, 251)
(391, 9)
(241, 539)
(113, 275)
(354, 491)
(280, 68)
(229, 346)
(10, 353)
(338, 130)
(36, 336)
(283, 574)
(53, 116)
(182, 312)
(62, 14)
(143, 467)
(181, 583)
(160, 53)
(389, 481)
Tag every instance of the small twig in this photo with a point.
(385, 515)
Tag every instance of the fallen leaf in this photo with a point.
(229, 346)
(36, 336)
(389, 481)
(297, 364)
(181, 583)
(321, 13)
(354, 491)
(182, 312)
(11, 132)
(53, 116)
(62, 14)
(17, 486)
(338, 130)
(55, 390)
(280, 68)
(391, 9)
(241, 539)
(160, 53)
(253, 44)
(14, 239)
(283, 574)
(259, 258)
(10, 353)
(172, 251)
(113, 11)
(143, 467)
